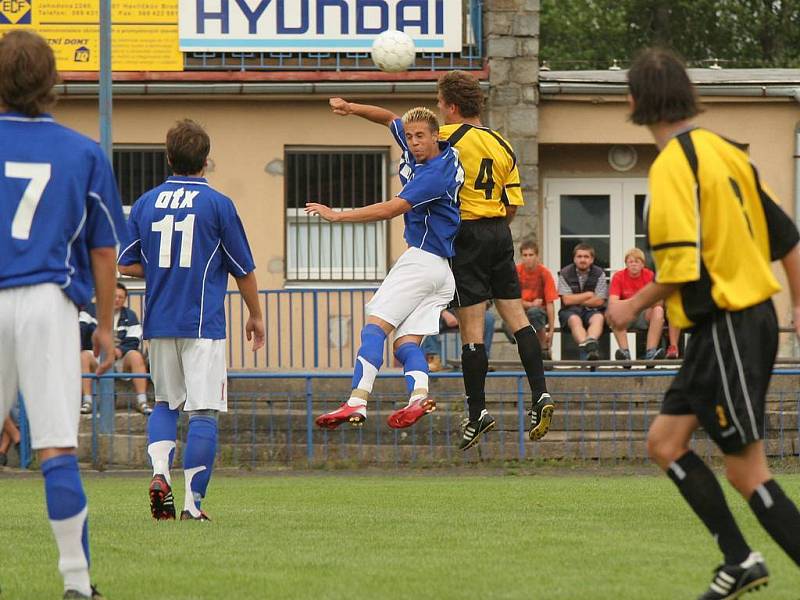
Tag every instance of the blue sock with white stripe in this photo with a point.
(198, 460)
(415, 368)
(162, 431)
(369, 360)
(67, 510)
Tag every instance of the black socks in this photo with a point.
(475, 364)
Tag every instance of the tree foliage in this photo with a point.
(591, 34)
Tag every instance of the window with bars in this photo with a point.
(138, 169)
(342, 179)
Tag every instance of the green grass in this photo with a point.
(436, 535)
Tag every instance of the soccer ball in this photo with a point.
(393, 51)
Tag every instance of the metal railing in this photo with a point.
(270, 421)
(470, 57)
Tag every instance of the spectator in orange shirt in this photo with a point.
(626, 283)
(538, 293)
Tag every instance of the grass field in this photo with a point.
(437, 535)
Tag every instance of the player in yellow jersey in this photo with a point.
(714, 229)
(483, 265)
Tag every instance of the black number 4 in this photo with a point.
(484, 179)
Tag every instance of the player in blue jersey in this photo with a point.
(185, 238)
(420, 284)
(60, 215)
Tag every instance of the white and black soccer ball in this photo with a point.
(393, 51)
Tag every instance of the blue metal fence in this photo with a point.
(271, 421)
(470, 57)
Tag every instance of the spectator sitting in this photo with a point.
(583, 289)
(626, 283)
(128, 358)
(9, 434)
(538, 294)
(432, 344)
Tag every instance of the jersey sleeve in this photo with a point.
(512, 190)
(425, 187)
(672, 221)
(783, 235)
(131, 252)
(105, 222)
(236, 253)
(615, 289)
(550, 293)
(399, 134)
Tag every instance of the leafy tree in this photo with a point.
(586, 34)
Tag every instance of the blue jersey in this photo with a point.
(188, 237)
(431, 188)
(58, 201)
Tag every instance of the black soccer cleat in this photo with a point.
(592, 349)
(731, 581)
(474, 429)
(76, 595)
(541, 415)
(187, 516)
(162, 505)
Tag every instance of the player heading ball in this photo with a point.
(420, 284)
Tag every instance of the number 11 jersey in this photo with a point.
(188, 237)
(491, 176)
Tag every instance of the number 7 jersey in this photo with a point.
(491, 177)
(188, 237)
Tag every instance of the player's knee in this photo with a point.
(136, 359)
(207, 413)
(662, 449)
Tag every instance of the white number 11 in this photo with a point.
(165, 227)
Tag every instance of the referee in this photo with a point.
(714, 229)
(483, 265)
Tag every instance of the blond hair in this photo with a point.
(420, 114)
(635, 253)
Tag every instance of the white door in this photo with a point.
(606, 213)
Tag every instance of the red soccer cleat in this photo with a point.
(355, 415)
(408, 415)
(672, 352)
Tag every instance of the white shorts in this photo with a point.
(418, 288)
(190, 370)
(40, 357)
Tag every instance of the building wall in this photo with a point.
(246, 135)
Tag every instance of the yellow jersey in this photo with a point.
(491, 177)
(713, 227)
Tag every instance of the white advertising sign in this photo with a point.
(316, 25)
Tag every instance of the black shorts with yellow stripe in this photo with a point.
(725, 375)
(483, 265)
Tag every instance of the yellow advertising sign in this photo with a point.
(144, 33)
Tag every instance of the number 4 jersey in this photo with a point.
(491, 177)
(58, 201)
(188, 237)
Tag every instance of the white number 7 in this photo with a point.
(39, 175)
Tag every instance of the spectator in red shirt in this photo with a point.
(626, 283)
(538, 293)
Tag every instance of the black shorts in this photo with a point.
(484, 266)
(725, 375)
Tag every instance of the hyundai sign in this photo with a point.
(316, 25)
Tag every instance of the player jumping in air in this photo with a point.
(420, 284)
(714, 228)
(185, 238)
(483, 265)
(60, 216)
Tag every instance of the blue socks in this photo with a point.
(67, 510)
(198, 460)
(162, 431)
(415, 368)
(369, 359)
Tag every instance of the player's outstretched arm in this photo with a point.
(791, 265)
(376, 114)
(382, 211)
(254, 328)
(104, 270)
